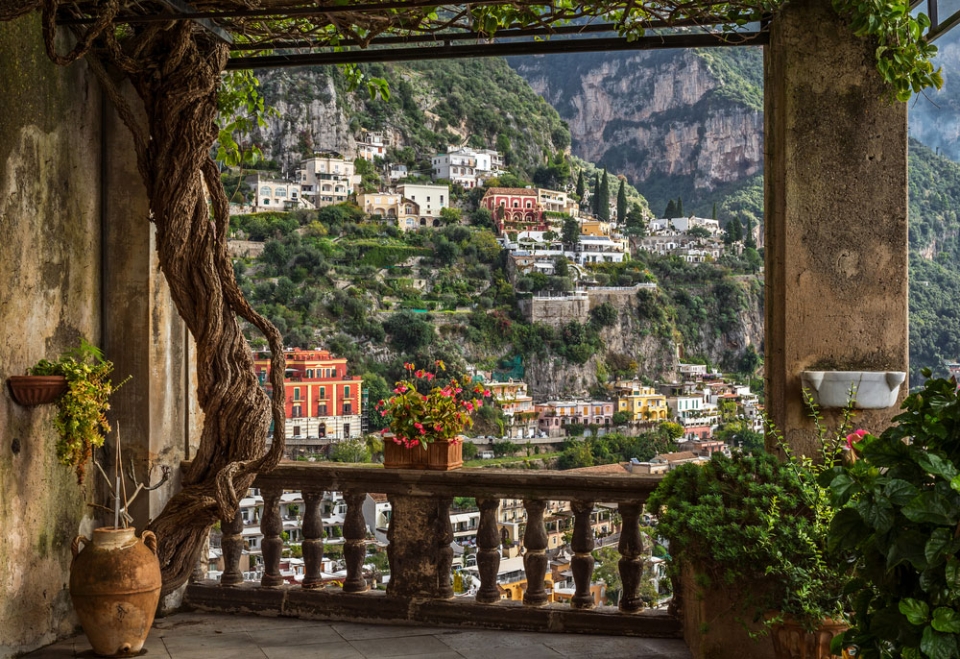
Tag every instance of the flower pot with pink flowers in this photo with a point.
(426, 417)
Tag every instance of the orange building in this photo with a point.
(323, 402)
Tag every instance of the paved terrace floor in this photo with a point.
(215, 636)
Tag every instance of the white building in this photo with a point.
(458, 166)
(274, 195)
(327, 179)
(372, 147)
(430, 198)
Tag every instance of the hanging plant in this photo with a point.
(81, 412)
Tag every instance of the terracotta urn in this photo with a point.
(30, 390)
(115, 588)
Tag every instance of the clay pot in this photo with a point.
(444, 455)
(792, 641)
(115, 588)
(30, 390)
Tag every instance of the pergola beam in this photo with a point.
(447, 51)
(185, 10)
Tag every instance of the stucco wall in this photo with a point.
(50, 122)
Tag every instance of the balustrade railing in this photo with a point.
(420, 554)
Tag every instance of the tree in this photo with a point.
(622, 202)
(671, 210)
(621, 418)
(408, 332)
(581, 190)
(482, 218)
(376, 389)
(714, 214)
(734, 231)
(603, 203)
(748, 239)
(680, 207)
(571, 231)
(561, 267)
(595, 200)
(636, 225)
(350, 450)
(504, 447)
(450, 216)
(699, 232)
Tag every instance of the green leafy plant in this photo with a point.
(899, 495)
(437, 413)
(758, 526)
(81, 412)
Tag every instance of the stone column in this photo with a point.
(142, 332)
(836, 213)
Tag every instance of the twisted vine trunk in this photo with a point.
(176, 69)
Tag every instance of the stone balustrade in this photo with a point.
(420, 554)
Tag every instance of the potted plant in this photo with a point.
(899, 514)
(81, 410)
(755, 528)
(425, 420)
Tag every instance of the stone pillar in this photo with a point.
(836, 214)
(142, 332)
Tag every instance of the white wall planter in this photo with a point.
(870, 390)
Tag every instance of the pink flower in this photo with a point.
(383, 413)
(419, 373)
(486, 393)
(468, 405)
(855, 437)
(430, 376)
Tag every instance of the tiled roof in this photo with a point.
(515, 191)
(619, 468)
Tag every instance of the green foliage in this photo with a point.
(604, 315)
(350, 450)
(756, 526)
(81, 412)
(603, 201)
(900, 511)
(903, 55)
(408, 331)
(622, 202)
(570, 233)
(241, 110)
(614, 447)
(504, 447)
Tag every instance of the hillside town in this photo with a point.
(543, 232)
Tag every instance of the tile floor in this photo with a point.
(215, 636)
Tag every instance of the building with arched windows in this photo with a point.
(322, 401)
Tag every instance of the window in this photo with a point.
(347, 408)
(346, 391)
(346, 430)
(296, 393)
(322, 410)
(322, 430)
(309, 372)
(281, 192)
(297, 412)
(323, 393)
(428, 200)
(266, 191)
(296, 430)
(266, 202)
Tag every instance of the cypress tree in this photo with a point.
(734, 231)
(580, 187)
(604, 202)
(679, 206)
(595, 201)
(671, 211)
(748, 239)
(714, 216)
(622, 202)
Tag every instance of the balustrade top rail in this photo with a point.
(492, 483)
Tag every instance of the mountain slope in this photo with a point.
(676, 123)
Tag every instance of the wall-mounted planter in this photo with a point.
(30, 390)
(870, 390)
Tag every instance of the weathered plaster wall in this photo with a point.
(50, 123)
(836, 209)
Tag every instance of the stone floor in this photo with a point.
(213, 636)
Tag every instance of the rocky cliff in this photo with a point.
(676, 123)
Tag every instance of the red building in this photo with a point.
(323, 402)
(515, 209)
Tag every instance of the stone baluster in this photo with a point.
(583, 561)
(272, 546)
(312, 539)
(443, 534)
(488, 551)
(231, 544)
(355, 546)
(632, 550)
(535, 557)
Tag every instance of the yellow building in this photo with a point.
(642, 403)
(594, 228)
(512, 580)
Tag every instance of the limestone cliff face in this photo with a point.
(674, 123)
